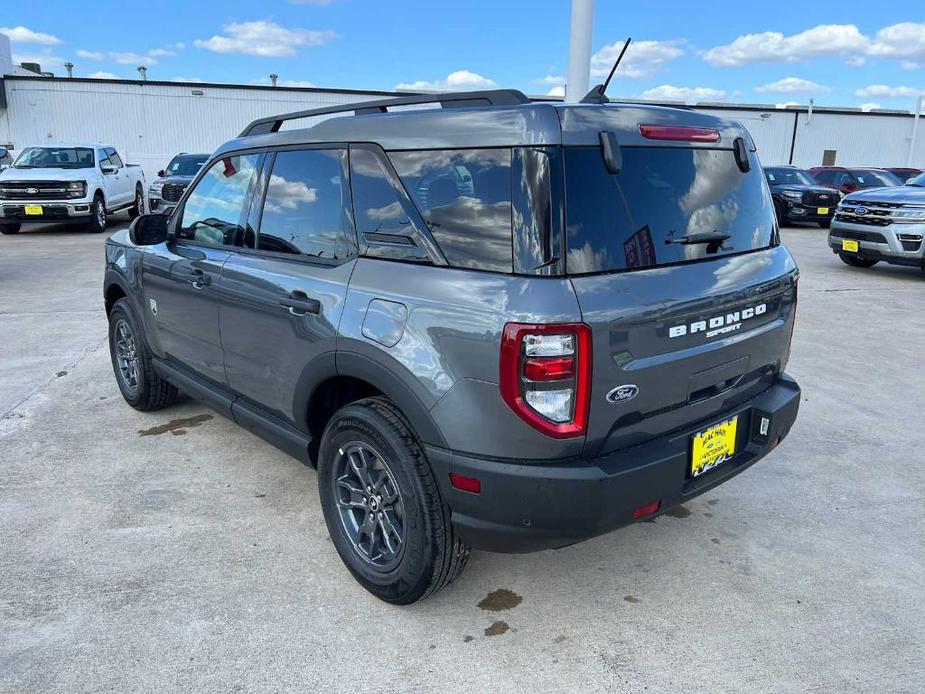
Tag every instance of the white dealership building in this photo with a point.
(150, 121)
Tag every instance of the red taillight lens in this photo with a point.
(682, 133)
(549, 368)
(546, 376)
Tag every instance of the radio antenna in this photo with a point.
(596, 95)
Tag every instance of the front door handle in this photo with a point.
(299, 304)
(197, 278)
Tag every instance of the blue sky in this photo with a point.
(844, 53)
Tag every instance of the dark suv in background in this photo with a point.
(167, 189)
(849, 180)
(798, 197)
(496, 324)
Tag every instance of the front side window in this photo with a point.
(55, 158)
(640, 217)
(464, 197)
(305, 210)
(214, 209)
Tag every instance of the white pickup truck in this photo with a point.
(69, 183)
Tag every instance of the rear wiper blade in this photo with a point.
(701, 237)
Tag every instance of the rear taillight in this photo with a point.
(546, 376)
(683, 133)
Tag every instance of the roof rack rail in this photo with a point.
(492, 97)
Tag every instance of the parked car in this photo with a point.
(5, 158)
(799, 198)
(904, 173)
(69, 184)
(505, 325)
(885, 224)
(167, 189)
(847, 180)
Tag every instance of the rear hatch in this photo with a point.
(682, 332)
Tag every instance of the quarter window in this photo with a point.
(214, 210)
(305, 210)
(464, 196)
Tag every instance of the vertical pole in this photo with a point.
(579, 55)
(915, 130)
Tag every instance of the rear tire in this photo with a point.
(418, 553)
(855, 261)
(138, 382)
(138, 206)
(97, 223)
(9, 228)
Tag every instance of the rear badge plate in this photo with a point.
(714, 446)
(849, 245)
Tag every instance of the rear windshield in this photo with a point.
(634, 219)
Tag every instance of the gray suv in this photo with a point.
(491, 323)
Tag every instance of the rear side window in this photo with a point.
(634, 219)
(464, 196)
(213, 211)
(115, 158)
(305, 210)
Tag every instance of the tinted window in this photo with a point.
(875, 179)
(213, 212)
(635, 218)
(465, 198)
(778, 177)
(186, 165)
(306, 203)
(115, 158)
(381, 217)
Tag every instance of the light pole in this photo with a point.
(579, 54)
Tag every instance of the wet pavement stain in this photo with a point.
(560, 638)
(497, 628)
(632, 599)
(179, 432)
(175, 425)
(678, 512)
(712, 502)
(61, 373)
(708, 514)
(714, 540)
(467, 638)
(501, 599)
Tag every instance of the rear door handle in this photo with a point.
(299, 304)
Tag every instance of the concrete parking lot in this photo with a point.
(174, 551)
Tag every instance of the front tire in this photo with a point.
(825, 223)
(138, 207)
(138, 382)
(97, 223)
(782, 219)
(9, 228)
(856, 261)
(382, 505)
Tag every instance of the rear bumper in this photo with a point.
(526, 506)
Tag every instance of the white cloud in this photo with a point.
(89, 55)
(285, 83)
(668, 92)
(557, 91)
(774, 47)
(263, 38)
(129, 58)
(856, 61)
(461, 80)
(21, 34)
(882, 91)
(319, 3)
(160, 53)
(792, 85)
(551, 80)
(47, 59)
(905, 40)
(787, 104)
(870, 106)
(642, 59)
(185, 79)
(103, 75)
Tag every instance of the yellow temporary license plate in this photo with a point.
(713, 446)
(34, 209)
(822, 210)
(849, 245)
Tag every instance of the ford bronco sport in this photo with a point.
(491, 323)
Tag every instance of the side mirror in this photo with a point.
(148, 229)
(161, 173)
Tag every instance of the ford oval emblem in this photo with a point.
(32, 191)
(622, 393)
(860, 211)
